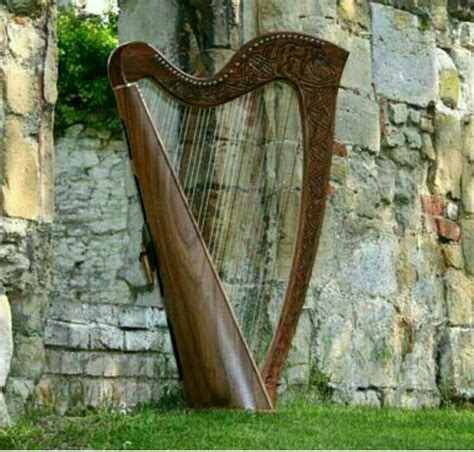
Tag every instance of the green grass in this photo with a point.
(296, 425)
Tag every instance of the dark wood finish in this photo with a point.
(218, 369)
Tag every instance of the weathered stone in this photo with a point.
(357, 73)
(448, 147)
(466, 34)
(397, 36)
(28, 358)
(463, 60)
(66, 335)
(448, 79)
(143, 340)
(6, 349)
(106, 338)
(415, 116)
(4, 417)
(467, 228)
(413, 138)
(23, 39)
(357, 121)
(25, 6)
(456, 370)
(394, 137)
(460, 298)
(467, 187)
(427, 147)
(398, 113)
(20, 87)
(50, 91)
(426, 124)
(372, 267)
(20, 192)
(453, 255)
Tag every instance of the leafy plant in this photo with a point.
(85, 96)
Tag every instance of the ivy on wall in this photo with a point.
(85, 96)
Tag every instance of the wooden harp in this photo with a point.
(188, 151)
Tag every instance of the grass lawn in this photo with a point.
(296, 425)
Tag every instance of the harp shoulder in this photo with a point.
(296, 57)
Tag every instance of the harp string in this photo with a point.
(217, 217)
(194, 154)
(231, 188)
(271, 158)
(233, 164)
(211, 158)
(240, 192)
(244, 259)
(201, 152)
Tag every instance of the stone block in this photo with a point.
(25, 7)
(136, 341)
(17, 394)
(6, 350)
(132, 317)
(467, 230)
(448, 145)
(277, 15)
(21, 176)
(50, 74)
(357, 121)
(366, 398)
(464, 61)
(427, 147)
(117, 365)
(65, 362)
(398, 113)
(105, 337)
(29, 312)
(28, 359)
(467, 187)
(372, 268)
(432, 205)
(67, 335)
(4, 417)
(448, 230)
(357, 74)
(456, 369)
(3, 35)
(453, 255)
(449, 86)
(402, 57)
(460, 298)
(23, 39)
(19, 89)
(322, 8)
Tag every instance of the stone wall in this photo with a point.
(388, 319)
(27, 97)
(106, 339)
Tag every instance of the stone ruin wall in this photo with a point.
(388, 319)
(27, 97)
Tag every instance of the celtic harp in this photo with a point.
(232, 172)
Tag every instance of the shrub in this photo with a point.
(84, 93)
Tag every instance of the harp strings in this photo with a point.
(234, 164)
(269, 184)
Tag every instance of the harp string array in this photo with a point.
(238, 166)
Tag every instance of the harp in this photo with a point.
(232, 172)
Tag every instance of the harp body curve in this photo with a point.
(218, 369)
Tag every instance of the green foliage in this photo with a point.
(298, 425)
(84, 93)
